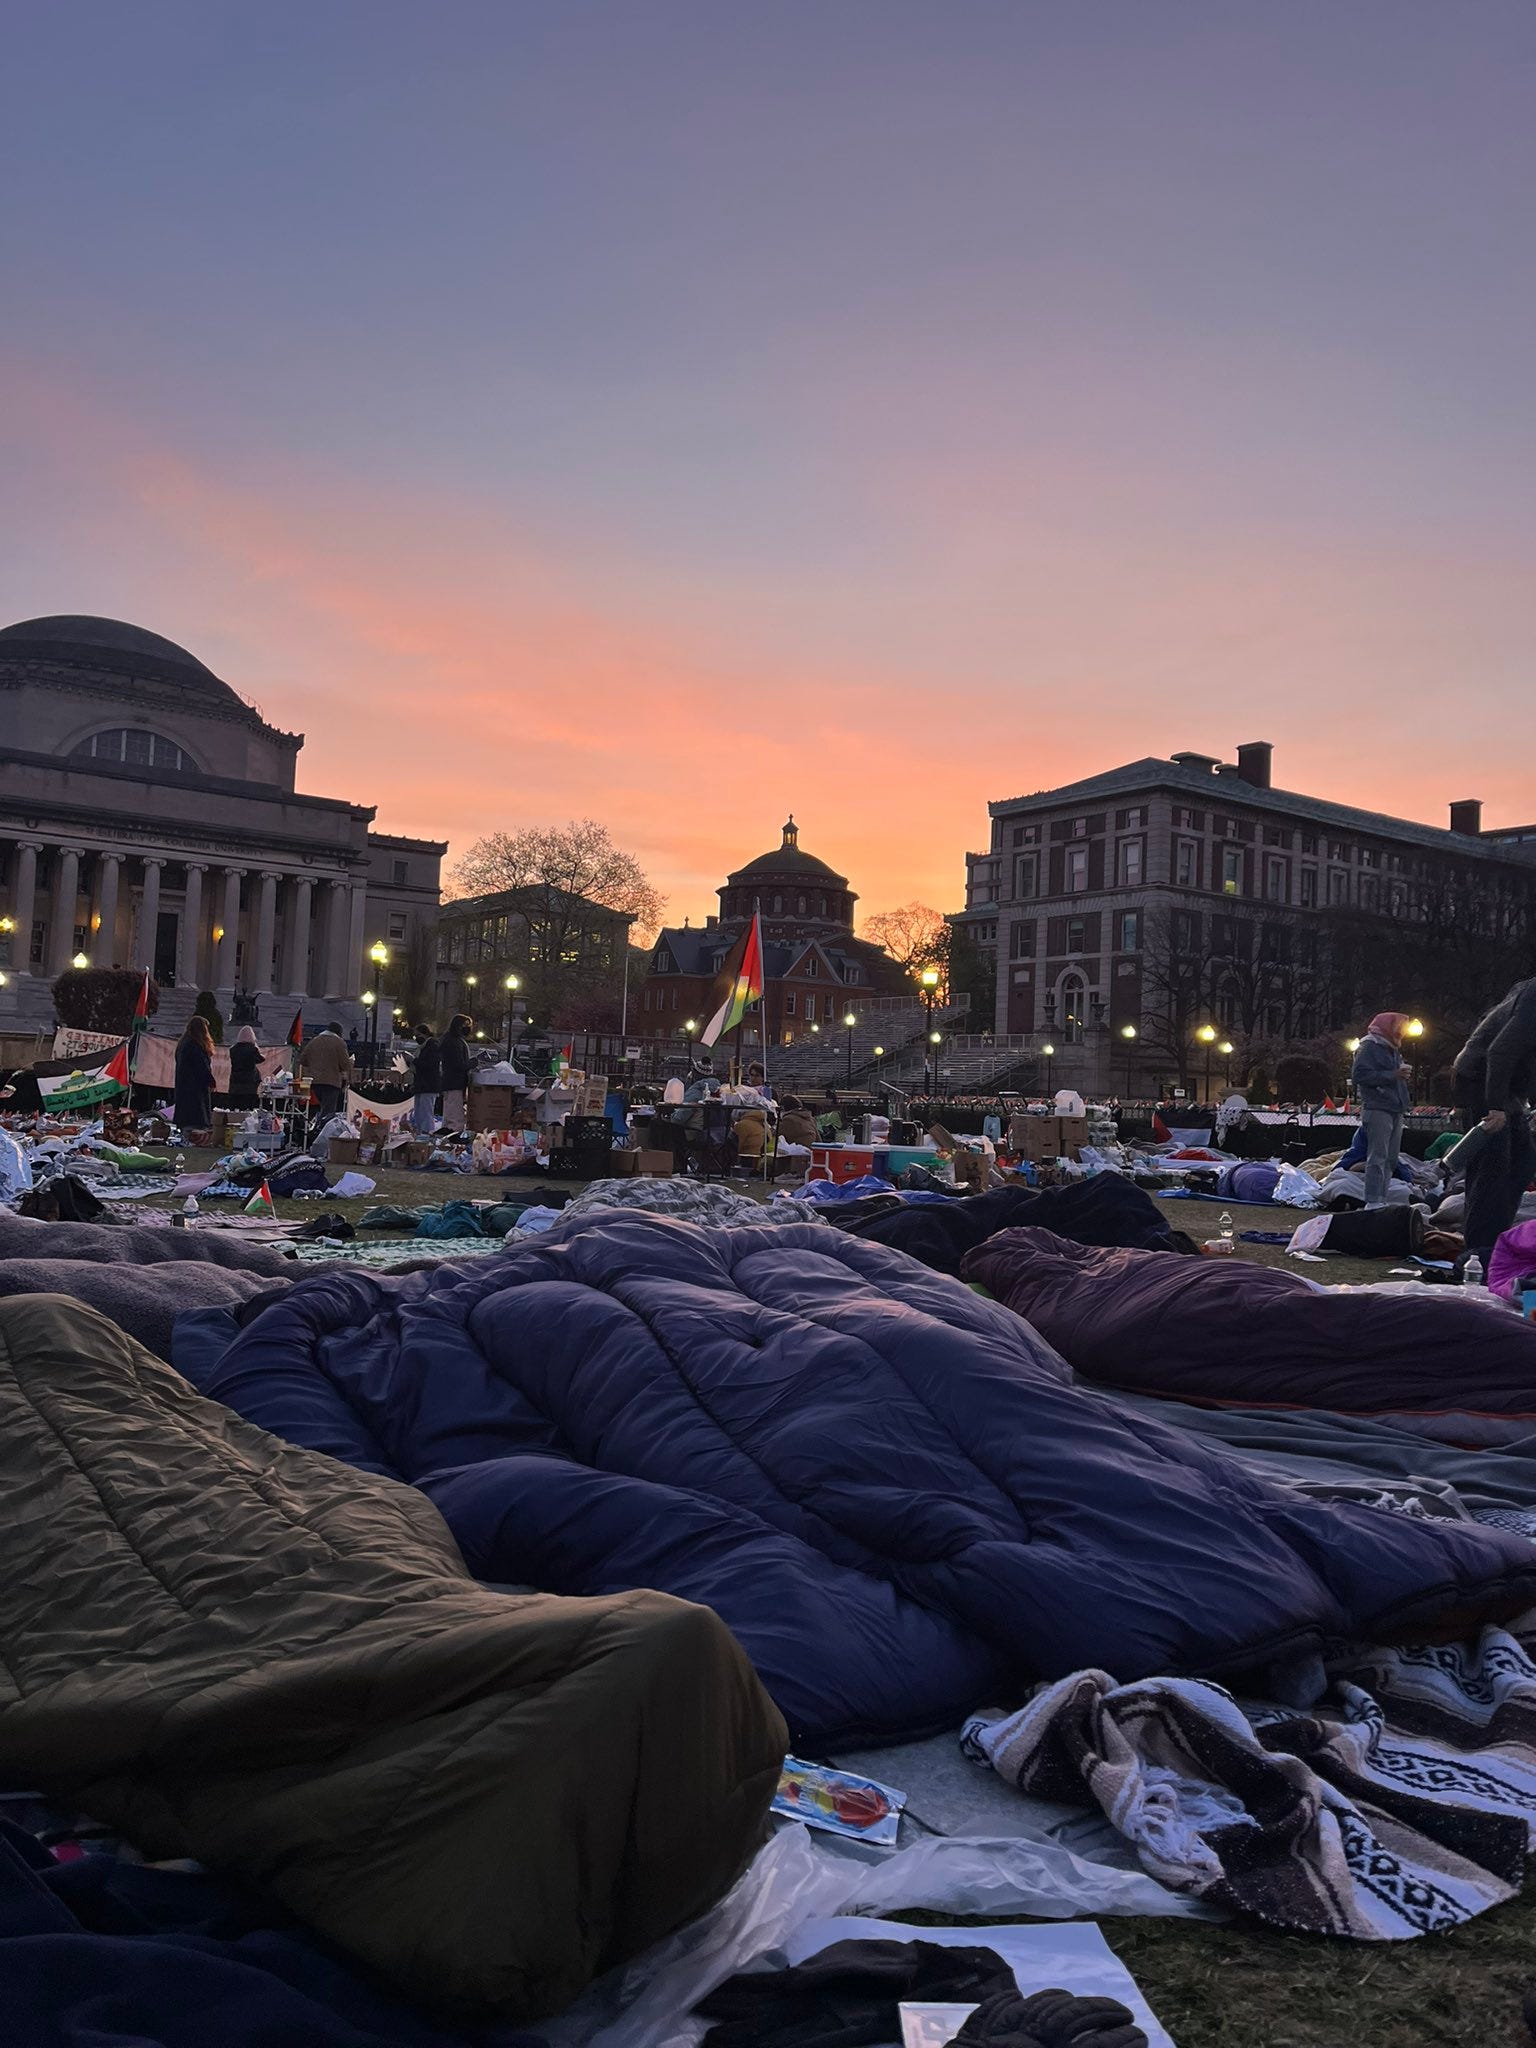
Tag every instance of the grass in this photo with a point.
(1241, 1985)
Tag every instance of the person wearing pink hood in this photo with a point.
(1380, 1078)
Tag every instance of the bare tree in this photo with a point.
(1175, 990)
(914, 936)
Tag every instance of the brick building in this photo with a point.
(814, 968)
(1166, 895)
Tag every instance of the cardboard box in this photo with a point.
(1035, 1137)
(1072, 1131)
(656, 1164)
(970, 1169)
(490, 1109)
(342, 1151)
(622, 1164)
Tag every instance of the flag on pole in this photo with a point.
(117, 1069)
(739, 985)
(1329, 1103)
(296, 1028)
(140, 1023)
(261, 1203)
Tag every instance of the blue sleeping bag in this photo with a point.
(883, 1483)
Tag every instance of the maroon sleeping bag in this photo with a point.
(1225, 1333)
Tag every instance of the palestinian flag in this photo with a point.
(140, 1024)
(85, 1091)
(117, 1068)
(261, 1203)
(739, 984)
(1160, 1130)
(296, 1028)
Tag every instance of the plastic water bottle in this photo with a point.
(179, 1163)
(190, 1210)
(1472, 1271)
(1226, 1230)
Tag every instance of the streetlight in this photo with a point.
(79, 961)
(511, 983)
(378, 953)
(1128, 1033)
(880, 1061)
(690, 1026)
(1207, 1037)
(935, 1039)
(1226, 1049)
(1050, 1054)
(849, 1021)
(930, 981)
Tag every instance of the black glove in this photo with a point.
(1050, 2019)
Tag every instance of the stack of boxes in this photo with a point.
(1040, 1139)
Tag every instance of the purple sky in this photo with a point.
(685, 413)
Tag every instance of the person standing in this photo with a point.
(428, 1084)
(192, 1109)
(453, 1056)
(329, 1066)
(244, 1070)
(1495, 1075)
(1379, 1077)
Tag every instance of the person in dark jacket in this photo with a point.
(192, 1109)
(1495, 1076)
(453, 1056)
(1380, 1078)
(244, 1069)
(428, 1084)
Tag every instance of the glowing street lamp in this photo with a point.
(1226, 1049)
(79, 961)
(511, 983)
(1050, 1055)
(849, 1020)
(1207, 1037)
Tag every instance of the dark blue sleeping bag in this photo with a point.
(883, 1483)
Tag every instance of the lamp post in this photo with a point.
(849, 1021)
(378, 953)
(1414, 1028)
(1351, 1046)
(1050, 1055)
(1207, 1037)
(511, 983)
(930, 981)
(368, 999)
(935, 1040)
(1128, 1033)
(880, 1062)
(1226, 1049)
(690, 1026)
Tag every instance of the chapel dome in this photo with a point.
(77, 640)
(788, 859)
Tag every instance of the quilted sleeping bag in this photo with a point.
(883, 1483)
(1234, 1334)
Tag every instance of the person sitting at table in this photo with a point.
(796, 1124)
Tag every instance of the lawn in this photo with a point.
(1238, 1986)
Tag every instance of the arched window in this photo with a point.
(1074, 1006)
(135, 747)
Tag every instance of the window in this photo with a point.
(800, 905)
(397, 923)
(400, 870)
(823, 906)
(1025, 835)
(1077, 867)
(851, 972)
(1022, 943)
(1231, 870)
(1309, 842)
(1309, 888)
(1073, 1004)
(1186, 932)
(1128, 863)
(1130, 931)
(1277, 880)
(1226, 828)
(810, 1006)
(1079, 828)
(1276, 835)
(790, 999)
(135, 748)
(1189, 821)
(1130, 821)
(1338, 886)
(778, 906)
(1370, 893)
(674, 999)
(1369, 857)
(1337, 850)
(1026, 873)
(811, 970)
(1186, 863)
(1074, 935)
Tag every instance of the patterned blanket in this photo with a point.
(1404, 1804)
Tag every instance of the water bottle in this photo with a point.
(179, 1163)
(190, 1210)
(1226, 1233)
(1472, 1271)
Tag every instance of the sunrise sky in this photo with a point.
(682, 413)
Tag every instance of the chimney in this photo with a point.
(1467, 816)
(1253, 762)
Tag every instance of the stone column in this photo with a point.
(337, 909)
(298, 936)
(225, 970)
(66, 889)
(189, 966)
(261, 977)
(24, 903)
(149, 914)
(356, 934)
(106, 909)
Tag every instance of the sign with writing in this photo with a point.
(69, 1045)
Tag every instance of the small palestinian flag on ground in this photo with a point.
(261, 1203)
(1329, 1103)
(740, 983)
(296, 1028)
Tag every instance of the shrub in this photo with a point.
(100, 998)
